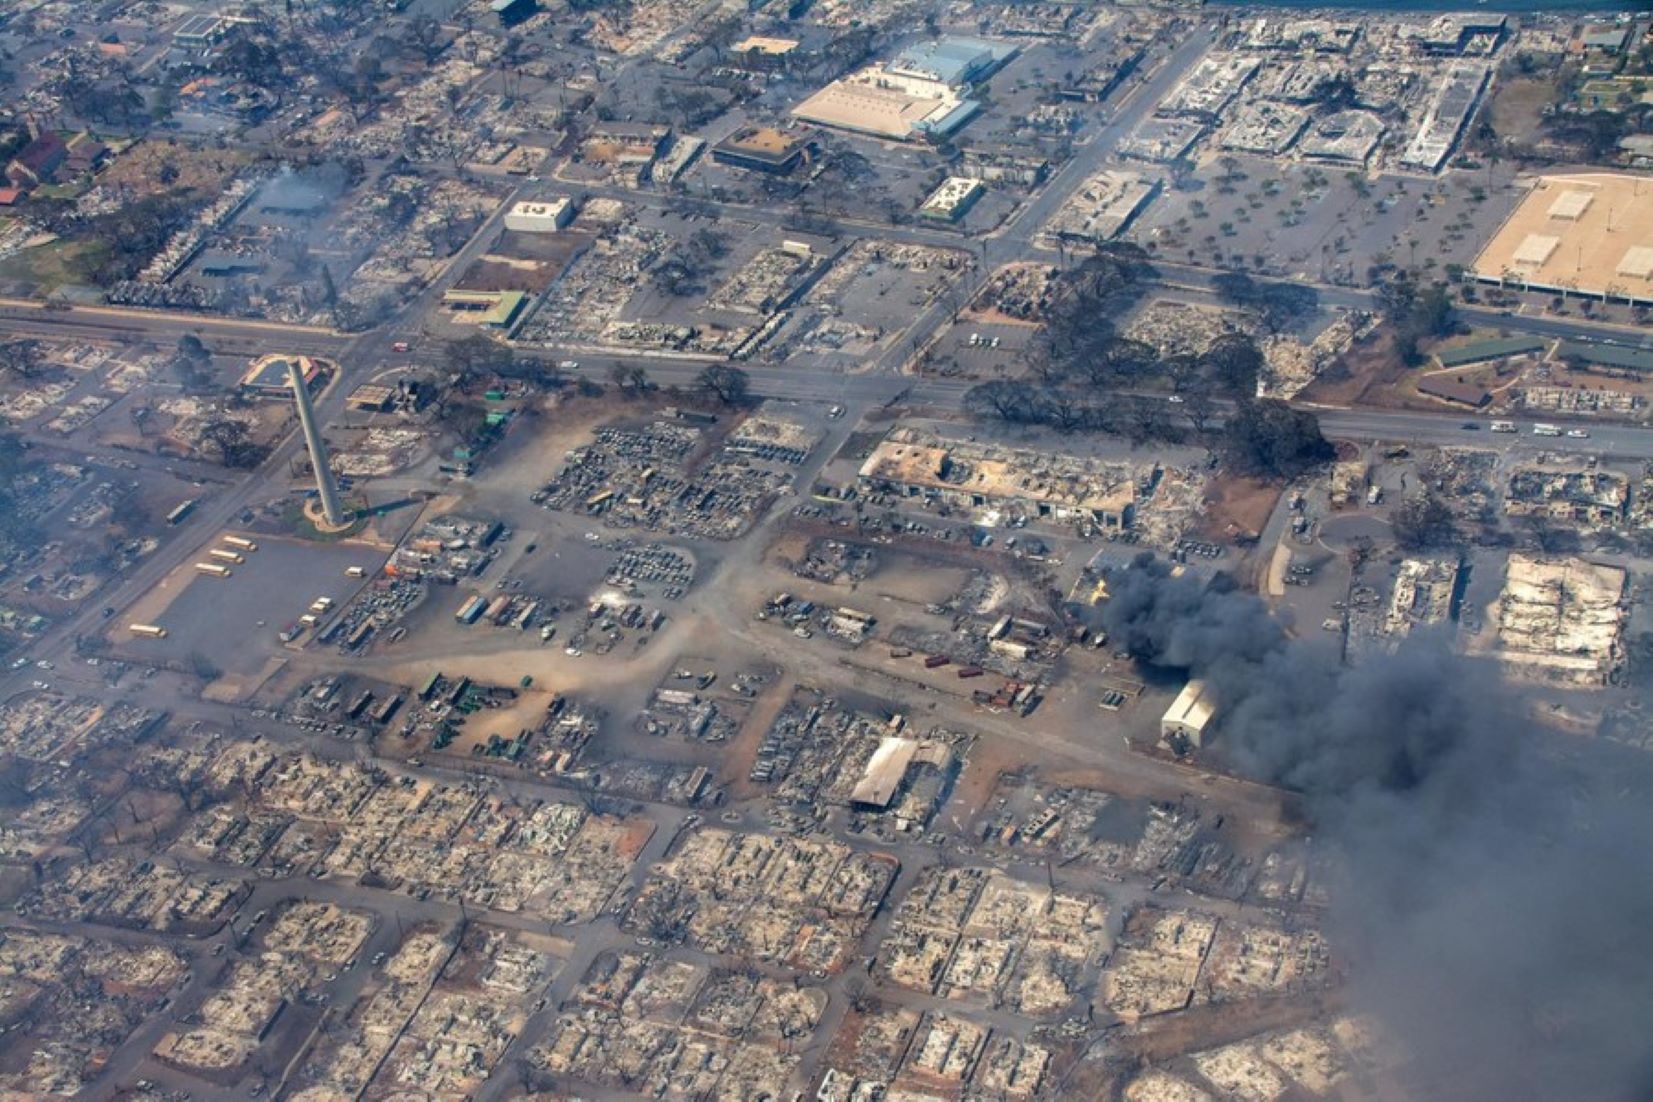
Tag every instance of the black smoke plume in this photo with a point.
(1495, 894)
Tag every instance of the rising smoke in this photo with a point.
(1495, 895)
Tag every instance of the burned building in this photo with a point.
(917, 464)
(772, 150)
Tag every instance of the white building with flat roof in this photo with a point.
(952, 200)
(530, 216)
(1190, 715)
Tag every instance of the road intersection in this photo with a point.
(882, 384)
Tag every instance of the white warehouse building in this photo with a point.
(1190, 715)
(547, 217)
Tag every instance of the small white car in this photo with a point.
(1578, 434)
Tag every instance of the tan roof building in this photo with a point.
(866, 108)
(885, 771)
(764, 148)
(764, 44)
(1590, 234)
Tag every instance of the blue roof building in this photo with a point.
(952, 61)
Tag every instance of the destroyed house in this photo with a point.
(761, 54)
(624, 142)
(1583, 496)
(1057, 487)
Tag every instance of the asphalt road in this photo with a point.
(111, 323)
(1622, 441)
(363, 355)
(1614, 441)
(1014, 240)
(356, 358)
(1202, 279)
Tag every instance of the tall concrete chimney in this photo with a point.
(326, 489)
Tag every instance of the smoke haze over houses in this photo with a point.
(1495, 891)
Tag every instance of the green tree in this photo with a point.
(226, 440)
(22, 357)
(1234, 363)
(1416, 313)
(247, 55)
(129, 237)
(1001, 398)
(1269, 439)
(1424, 521)
(193, 362)
(472, 357)
(729, 384)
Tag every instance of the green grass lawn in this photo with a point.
(50, 267)
(72, 190)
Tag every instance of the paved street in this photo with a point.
(792, 752)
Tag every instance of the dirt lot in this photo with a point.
(1518, 105)
(202, 172)
(1370, 364)
(1237, 508)
(735, 762)
(1205, 1027)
